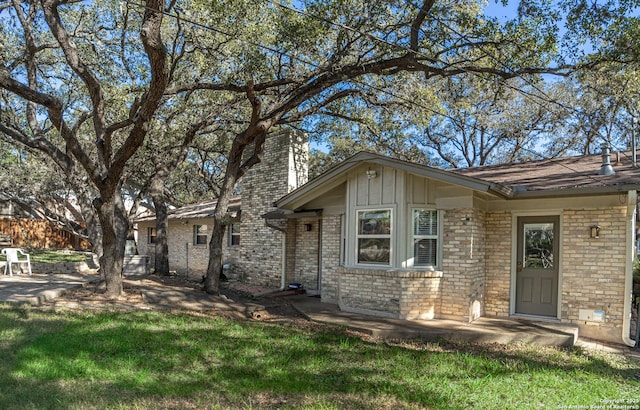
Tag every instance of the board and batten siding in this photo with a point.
(390, 189)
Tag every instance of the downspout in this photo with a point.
(283, 264)
(628, 279)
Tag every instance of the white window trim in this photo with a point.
(411, 237)
(357, 236)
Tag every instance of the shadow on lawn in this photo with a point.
(119, 358)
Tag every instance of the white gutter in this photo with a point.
(628, 279)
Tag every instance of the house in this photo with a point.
(545, 240)
(188, 236)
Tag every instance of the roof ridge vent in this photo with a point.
(606, 168)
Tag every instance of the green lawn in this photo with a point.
(52, 256)
(142, 360)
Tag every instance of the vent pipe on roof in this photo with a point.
(606, 168)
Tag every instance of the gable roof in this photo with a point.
(553, 177)
(337, 175)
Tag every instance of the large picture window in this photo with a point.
(374, 237)
(425, 237)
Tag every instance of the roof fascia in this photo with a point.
(335, 176)
(564, 192)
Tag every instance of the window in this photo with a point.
(234, 234)
(374, 237)
(151, 235)
(199, 234)
(425, 237)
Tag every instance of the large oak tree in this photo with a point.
(84, 82)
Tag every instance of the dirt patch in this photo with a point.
(151, 292)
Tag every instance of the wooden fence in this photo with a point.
(34, 233)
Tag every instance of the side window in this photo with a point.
(151, 235)
(234, 234)
(425, 237)
(374, 237)
(200, 234)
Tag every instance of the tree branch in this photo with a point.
(50, 8)
(417, 23)
(154, 47)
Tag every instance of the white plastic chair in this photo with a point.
(13, 257)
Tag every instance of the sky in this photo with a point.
(496, 9)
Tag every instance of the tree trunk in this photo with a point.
(113, 221)
(156, 190)
(93, 230)
(236, 169)
(212, 280)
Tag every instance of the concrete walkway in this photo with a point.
(38, 288)
(483, 330)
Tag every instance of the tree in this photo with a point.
(489, 122)
(170, 141)
(30, 179)
(56, 78)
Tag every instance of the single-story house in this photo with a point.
(188, 239)
(546, 240)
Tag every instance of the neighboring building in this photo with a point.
(548, 240)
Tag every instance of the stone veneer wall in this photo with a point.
(498, 265)
(456, 292)
(331, 237)
(463, 264)
(291, 227)
(306, 253)
(592, 273)
(282, 169)
(593, 270)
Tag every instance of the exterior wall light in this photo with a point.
(308, 227)
(371, 173)
(595, 231)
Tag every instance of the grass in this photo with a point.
(53, 256)
(147, 360)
